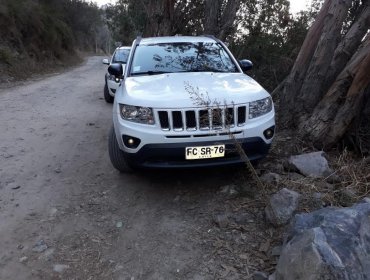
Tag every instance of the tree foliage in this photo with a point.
(47, 28)
(260, 30)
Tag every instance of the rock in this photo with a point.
(40, 246)
(270, 178)
(23, 259)
(16, 187)
(57, 170)
(221, 220)
(60, 268)
(330, 243)
(259, 275)
(119, 224)
(312, 164)
(281, 207)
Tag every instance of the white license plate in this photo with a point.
(215, 151)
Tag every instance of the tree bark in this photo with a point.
(212, 14)
(311, 91)
(293, 83)
(220, 16)
(343, 102)
(228, 18)
(348, 46)
(330, 80)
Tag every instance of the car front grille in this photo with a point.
(202, 119)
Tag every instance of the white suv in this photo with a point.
(120, 55)
(184, 101)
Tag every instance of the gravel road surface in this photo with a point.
(65, 213)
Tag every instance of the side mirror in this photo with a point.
(116, 70)
(245, 64)
(106, 61)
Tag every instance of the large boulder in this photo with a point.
(330, 243)
(311, 164)
(281, 207)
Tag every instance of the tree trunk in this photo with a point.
(311, 91)
(330, 79)
(212, 14)
(220, 17)
(293, 83)
(336, 111)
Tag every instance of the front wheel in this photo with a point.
(116, 155)
(108, 98)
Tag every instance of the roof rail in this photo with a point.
(212, 37)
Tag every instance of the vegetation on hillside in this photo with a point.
(38, 33)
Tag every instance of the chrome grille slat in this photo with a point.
(202, 119)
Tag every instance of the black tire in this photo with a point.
(116, 155)
(108, 98)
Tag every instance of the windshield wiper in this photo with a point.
(150, 73)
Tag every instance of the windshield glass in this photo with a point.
(121, 56)
(181, 57)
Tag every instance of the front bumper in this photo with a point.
(173, 155)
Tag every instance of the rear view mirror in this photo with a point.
(106, 61)
(245, 65)
(116, 70)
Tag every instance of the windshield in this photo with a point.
(121, 56)
(181, 57)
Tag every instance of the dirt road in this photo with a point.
(65, 213)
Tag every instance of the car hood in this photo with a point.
(183, 90)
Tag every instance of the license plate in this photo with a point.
(215, 151)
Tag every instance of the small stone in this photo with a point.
(60, 268)
(53, 212)
(281, 207)
(119, 224)
(270, 178)
(57, 170)
(347, 196)
(16, 187)
(221, 220)
(333, 179)
(229, 190)
(23, 259)
(40, 246)
(259, 275)
(295, 176)
(20, 247)
(276, 251)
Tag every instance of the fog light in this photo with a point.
(117, 80)
(269, 133)
(131, 142)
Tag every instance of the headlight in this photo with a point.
(113, 78)
(137, 114)
(260, 107)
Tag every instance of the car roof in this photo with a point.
(176, 39)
